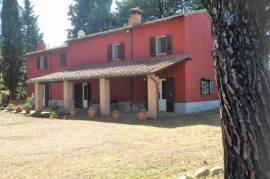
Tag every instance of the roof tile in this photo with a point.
(121, 69)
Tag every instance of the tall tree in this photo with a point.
(12, 45)
(100, 18)
(153, 9)
(30, 29)
(78, 15)
(203, 4)
(241, 61)
(89, 15)
(31, 37)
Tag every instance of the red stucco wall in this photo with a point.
(191, 35)
(198, 43)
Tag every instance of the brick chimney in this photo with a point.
(135, 17)
(41, 46)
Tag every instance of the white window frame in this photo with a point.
(115, 50)
(210, 89)
(205, 90)
(42, 62)
(158, 51)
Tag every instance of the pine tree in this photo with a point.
(154, 9)
(30, 29)
(100, 18)
(241, 61)
(78, 15)
(11, 45)
(89, 15)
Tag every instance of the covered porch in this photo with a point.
(76, 81)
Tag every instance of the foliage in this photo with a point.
(10, 107)
(1, 97)
(31, 37)
(28, 105)
(54, 115)
(203, 4)
(89, 15)
(30, 29)
(142, 109)
(55, 107)
(12, 45)
(156, 9)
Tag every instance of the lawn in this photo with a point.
(42, 148)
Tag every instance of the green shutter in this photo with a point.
(121, 51)
(38, 63)
(153, 46)
(169, 45)
(45, 62)
(109, 52)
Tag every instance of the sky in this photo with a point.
(53, 19)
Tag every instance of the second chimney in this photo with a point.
(135, 17)
(41, 46)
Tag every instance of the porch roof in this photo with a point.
(113, 70)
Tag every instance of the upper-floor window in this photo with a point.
(63, 60)
(207, 87)
(161, 45)
(42, 63)
(116, 52)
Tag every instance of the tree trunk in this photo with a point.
(241, 62)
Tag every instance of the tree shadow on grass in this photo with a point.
(167, 120)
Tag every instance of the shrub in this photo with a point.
(55, 107)
(54, 115)
(10, 107)
(1, 97)
(28, 106)
(142, 109)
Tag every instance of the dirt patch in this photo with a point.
(41, 148)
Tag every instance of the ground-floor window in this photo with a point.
(207, 87)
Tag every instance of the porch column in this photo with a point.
(39, 90)
(68, 96)
(104, 87)
(152, 88)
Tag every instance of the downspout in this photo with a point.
(131, 58)
(157, 91)
(131, 44)
(50, 86)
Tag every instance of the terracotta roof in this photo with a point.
(121, 69)
(47, 50)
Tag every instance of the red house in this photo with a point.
(164, 65)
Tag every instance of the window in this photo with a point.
(211, 87)
(63, 60)
(207, 87)
(42, 63)
(116, 52)
(161, 45)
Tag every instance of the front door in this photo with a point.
(46, 96)
(169, 93)
(82, 95)
(85, 91)
(78, 95)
